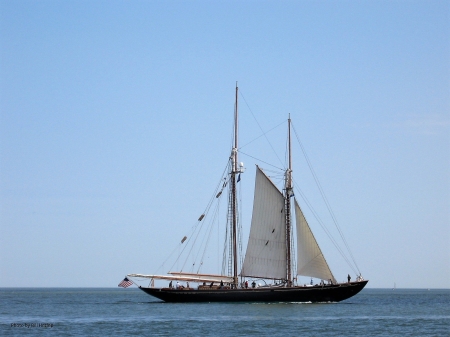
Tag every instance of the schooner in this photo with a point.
(270, 250)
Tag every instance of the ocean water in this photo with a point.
(118, 312)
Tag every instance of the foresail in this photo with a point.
(266, 249)
(310, 260)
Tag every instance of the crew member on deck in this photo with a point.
(349, 278)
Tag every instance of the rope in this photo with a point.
(255, 139)
(319, 186)
(202, 222)
(263, 133)
(262, 161)
(326, 230)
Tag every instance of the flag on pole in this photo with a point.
(125, 283)
(239, 178)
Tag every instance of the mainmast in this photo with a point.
(234, 172)
(287, 206)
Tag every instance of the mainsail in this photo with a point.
(266, 249)
(310, 260)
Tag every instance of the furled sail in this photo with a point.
(310, 260)
(187, 277)
(266, 249)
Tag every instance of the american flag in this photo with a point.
(125, 283)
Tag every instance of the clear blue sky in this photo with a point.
(116, 120)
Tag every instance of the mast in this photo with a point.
(234, 171)
(287, 206)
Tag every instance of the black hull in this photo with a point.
(327, 293)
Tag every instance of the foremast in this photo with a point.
(288, 192)
(234, 171)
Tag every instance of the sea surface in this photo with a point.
(120, 312)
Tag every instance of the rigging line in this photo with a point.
(277, 178)
(230, 222)
(264, 134)
(326, 200)
(232, 130)
(286, 152)
(224, 174)
(213, 224)
(293, 243)
(191, 233)
(293, 250)
(262, 161)
(208, 238)
(276, 173)
(218, 238)
(224, 253)
(192, 253)
(241, 257)
(217, 258)
(227, 225)
(187, 244)
(214, 195)
(202, 222)
(190, 245)
(322, 224)
(170, 255)
(326, 230)
(196, 237)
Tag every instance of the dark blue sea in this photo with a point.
(119, 312)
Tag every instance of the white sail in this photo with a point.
(310, 260)
(266, 249)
